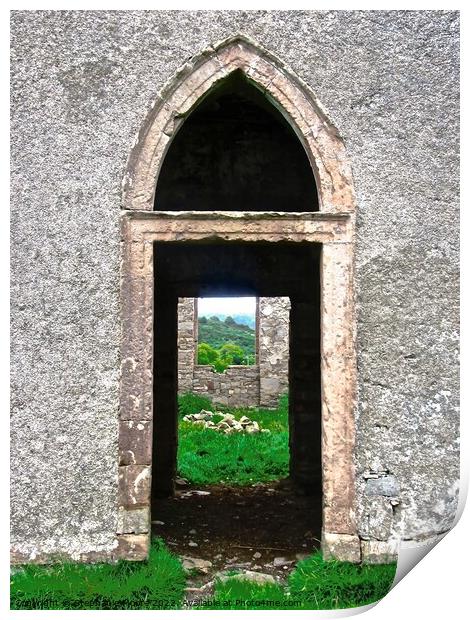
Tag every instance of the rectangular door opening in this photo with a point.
(228, 472)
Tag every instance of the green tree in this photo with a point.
(227, 355)
(231, 353)
(207, 355)
(216, 333)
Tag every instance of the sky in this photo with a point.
(207, 306)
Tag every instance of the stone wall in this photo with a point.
(259, 385)
(273, 348)
(238, 386)
(187, 343)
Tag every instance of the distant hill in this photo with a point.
(241, 319)
(217, 332)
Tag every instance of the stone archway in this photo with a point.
(286, 91)
(332, 227)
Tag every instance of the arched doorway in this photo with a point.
(170, 226)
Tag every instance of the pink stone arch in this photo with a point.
(291, 96)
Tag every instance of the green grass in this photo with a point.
(314, 584)
(206, 456)
(155, 584)
(337, 585)
(242, 594)
(159, 584)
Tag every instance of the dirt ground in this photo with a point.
(265, 527)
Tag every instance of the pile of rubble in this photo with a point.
(225, 422)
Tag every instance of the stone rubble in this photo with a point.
(225, 422)
(277, 562)
(247, 575)
(194, 492)
(197, 564)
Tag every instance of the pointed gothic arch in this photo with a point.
(286, 91)
(331, 227)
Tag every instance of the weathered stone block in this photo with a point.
(134, 485)
(379, 551)
(135, 521)
(387, 486)
(135, 442)
(133, 546)
(270, 385)
(344, 547)
(376, 518)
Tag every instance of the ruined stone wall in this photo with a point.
(238, 386)
(250, 386)
(82, 83)
(273, 348)
(187, 343)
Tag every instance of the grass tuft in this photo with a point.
(339, 585)
(155, 584)
(314, 584)
(243, 594)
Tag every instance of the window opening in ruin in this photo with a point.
(234, 424)
(226, 331)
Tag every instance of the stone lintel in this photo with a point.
(326, 216)
(145, 227)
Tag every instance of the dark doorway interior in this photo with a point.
(236, 152)
(282, 518)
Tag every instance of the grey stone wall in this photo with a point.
(187, 343)
(82, 83)
(238, 386)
